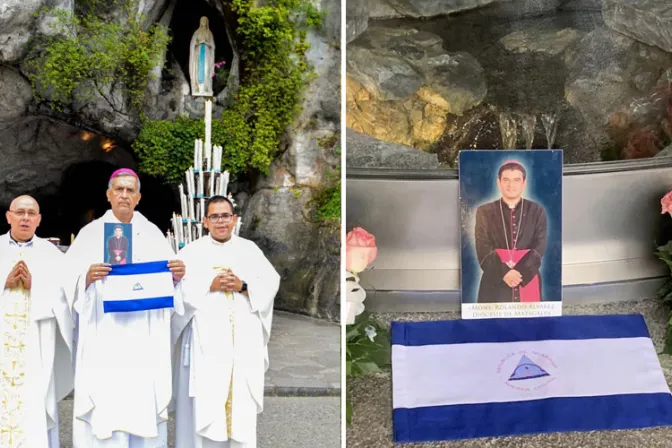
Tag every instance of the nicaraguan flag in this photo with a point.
(138, 287)
(499, 377)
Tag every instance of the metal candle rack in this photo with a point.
(202, 181)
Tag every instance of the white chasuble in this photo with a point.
(36, 346)
(221, 345)
(123, 379)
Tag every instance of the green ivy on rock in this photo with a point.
(276, 71)
(89, 52)
(328, 204)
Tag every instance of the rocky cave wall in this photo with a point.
(38, 145)
(592, 77)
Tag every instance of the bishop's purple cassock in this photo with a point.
(510, 238)
(117, 247)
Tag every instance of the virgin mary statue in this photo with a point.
(202, 60)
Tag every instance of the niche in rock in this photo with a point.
(185, 21)
(82, 198)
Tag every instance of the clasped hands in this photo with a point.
(20, 275)
(226, 281)
(99, 271)
(513, 278)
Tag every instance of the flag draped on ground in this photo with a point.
(138, 287)
(499, 377)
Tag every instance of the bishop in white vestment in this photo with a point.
(35, 333)
(221, 340)
(123, 378)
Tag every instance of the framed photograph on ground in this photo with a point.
(118, 243)
(511, 233)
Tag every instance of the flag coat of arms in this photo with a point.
(138, 287)
(467, 379)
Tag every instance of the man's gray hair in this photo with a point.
(109, 184)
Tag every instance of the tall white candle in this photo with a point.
(198, 150)
(191, 209)
(200, 154)
(208, 131)
(185, 213)
(191, 185)
(203, 211)
(200, 184)
(196, 154)
(225, 183)
(211, 190)
(181, 193)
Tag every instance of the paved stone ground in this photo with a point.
(287, 422)
(372, 398)
(305, 356)
(303, 387)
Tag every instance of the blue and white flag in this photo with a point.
(138, 287)
(466, 379)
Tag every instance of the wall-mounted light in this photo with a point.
(107, 145)
(86, 135)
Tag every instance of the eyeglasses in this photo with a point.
(21, 213)
(224, 217)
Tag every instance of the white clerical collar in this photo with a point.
(109, 216)
(13, 242)
(217, 243)
(512, 206)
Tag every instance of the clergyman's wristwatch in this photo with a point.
(243, 288)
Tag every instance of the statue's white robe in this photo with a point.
(36, 352)
(123, 378)
(219, 336)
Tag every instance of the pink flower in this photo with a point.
(666, 204)
(361, 250)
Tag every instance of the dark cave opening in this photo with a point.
(185, 21)
(81, 198)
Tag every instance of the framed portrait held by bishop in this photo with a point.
(511, 233)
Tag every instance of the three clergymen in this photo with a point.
(211, 342)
